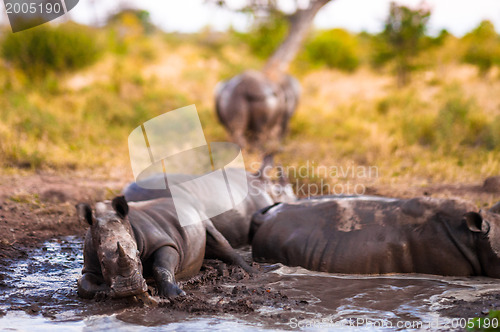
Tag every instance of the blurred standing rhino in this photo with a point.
(256, 106)
(255, 109)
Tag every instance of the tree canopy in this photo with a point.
(402, 39)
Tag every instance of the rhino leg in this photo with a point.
(218, 247)
(272, 140)
(165, 261)
(90, 284)
(237, 122)
(238, 137)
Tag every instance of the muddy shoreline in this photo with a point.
(44, 286)
(38, 208)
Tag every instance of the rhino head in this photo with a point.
(116, 247)
(279, 190)
(486, 224)
(495, 208)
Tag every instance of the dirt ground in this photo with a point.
(37, 207)
(40, 206)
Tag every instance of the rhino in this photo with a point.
(376, 235)
(235, 223)
(255, 109)
(130, 242)
(496, 208)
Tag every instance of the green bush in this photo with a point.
(419, 129)
(483, 48)
(45, 49)
(333, 48)
(402, 39)
(264, 38)
(493, 135)
(458, 123)
(126, 31)
(132, 19)
(489, 323)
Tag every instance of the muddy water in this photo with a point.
(38, 293)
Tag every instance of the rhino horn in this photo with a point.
(124, 260)
(121, 251)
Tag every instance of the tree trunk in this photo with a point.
(300, 22)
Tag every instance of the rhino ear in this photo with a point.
(495, 208)
(475, 222)
(120, 206)
(283, 179)
(84, 213)
(266, 166)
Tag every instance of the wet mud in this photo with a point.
(41, 259)
(38, 290)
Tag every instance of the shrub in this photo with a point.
(488, 323)
(333, 48)
(455, 123)
(264, 38)
(483, 48)
(133, 19)
(493, 138)
(402, 39)
(45, 49)
(126, 30)
(460, 122)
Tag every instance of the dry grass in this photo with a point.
(344, 120)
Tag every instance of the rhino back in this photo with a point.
(155, 224)
(233, 224)
(142, 190)
(362, 236)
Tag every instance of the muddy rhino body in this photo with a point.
(127, 243)
(233, 224)
(369, 235)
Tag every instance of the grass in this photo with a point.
(443, 127)
(403, 136)
(32, 200)
(489, 323)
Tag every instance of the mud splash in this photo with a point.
(38, 292)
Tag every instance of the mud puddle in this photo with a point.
(38, 292)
